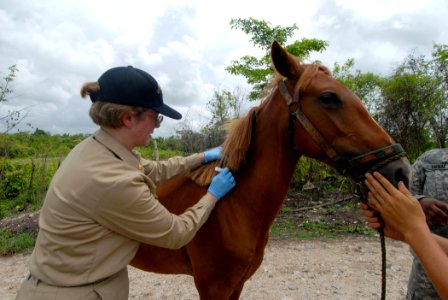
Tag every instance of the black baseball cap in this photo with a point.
(133, 87)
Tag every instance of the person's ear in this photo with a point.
(127, 119)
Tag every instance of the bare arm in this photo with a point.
(403, 219)
(443, 242)
(431, 251)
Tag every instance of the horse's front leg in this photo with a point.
(236, 293)
(220, 278)
(218, 291)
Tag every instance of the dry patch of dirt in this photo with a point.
(23, 223)
(347, 267)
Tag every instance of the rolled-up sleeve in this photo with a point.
(131, 210)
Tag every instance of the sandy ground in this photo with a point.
(340, 268)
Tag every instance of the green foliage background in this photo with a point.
(28, 161)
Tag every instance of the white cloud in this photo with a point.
(186, 45)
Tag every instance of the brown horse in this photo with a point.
(326, 122)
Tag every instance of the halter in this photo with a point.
(354, 167)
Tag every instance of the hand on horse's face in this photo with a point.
(371, 217)
(401, 213)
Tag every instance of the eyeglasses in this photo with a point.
(157, 117)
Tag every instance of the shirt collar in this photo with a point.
(118, 149)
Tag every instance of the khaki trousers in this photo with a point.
(115, 287)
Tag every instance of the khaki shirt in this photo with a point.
(100, 205)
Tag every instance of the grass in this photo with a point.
(327, 223)
(287, 228)
(22, 203)
(12, 243)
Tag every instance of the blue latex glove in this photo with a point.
(222, 183)
(212, 155)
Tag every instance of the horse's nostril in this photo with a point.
(396, 171)
(400, 176)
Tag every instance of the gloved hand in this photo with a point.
(212, 155)
(222, 183)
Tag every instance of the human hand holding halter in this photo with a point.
(401, 214)
(212, 155)
(222, 183)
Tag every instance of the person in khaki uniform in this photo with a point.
(102, 203)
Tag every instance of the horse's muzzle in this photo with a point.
(397, 170)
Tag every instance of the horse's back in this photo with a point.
(179, 194)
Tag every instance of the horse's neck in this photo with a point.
(266, 177)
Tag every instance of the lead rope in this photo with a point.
(362, 193)
(363, 196)
(383, 264)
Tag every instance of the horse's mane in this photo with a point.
(233, 151)
(240, 131)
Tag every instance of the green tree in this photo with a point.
(220, 107)
(236, 101)
(440, 52)
(5, 87)
(439, 120)
(14, 117)
(367, 86)
(258, 71)
(411, 100)
(224, 105)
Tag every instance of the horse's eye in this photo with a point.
(329, 98)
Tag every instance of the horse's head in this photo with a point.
(328, 122)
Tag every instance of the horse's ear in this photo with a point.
(283, 62)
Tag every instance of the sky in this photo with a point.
(186, 45)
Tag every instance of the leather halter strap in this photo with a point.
(354, 167)
(315, 134)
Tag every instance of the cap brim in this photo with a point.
(168, 111)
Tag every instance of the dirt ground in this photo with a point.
(347, 267)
